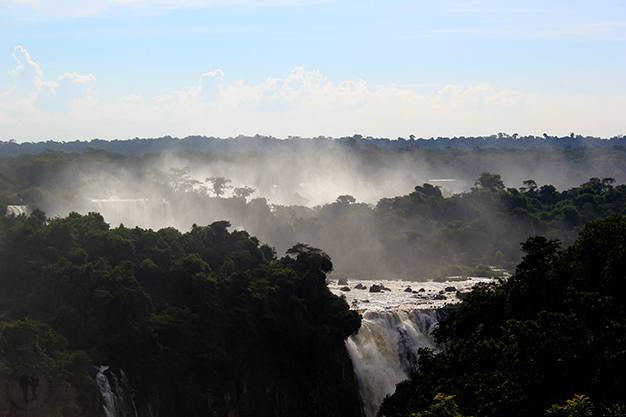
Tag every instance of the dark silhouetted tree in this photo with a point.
(529, 186)
(219, 185)
(345, 199)
(244, 191)
(489, 181)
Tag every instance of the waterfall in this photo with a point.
(117, 395)
(131, 211)
(385, 350)
(19, 210)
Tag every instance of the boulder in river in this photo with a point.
(375, 288)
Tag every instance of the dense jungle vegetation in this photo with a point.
(421, 233)
(486, 225)
(550, 340)
(209, 321)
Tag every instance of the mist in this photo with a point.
(333, 199)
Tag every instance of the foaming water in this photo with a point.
(396, 323)
(19, 210)
(385, 351)
(117, 395)
(394, 294)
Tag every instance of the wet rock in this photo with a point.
(375, 288)
(344, 289)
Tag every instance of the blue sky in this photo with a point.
(72, 69)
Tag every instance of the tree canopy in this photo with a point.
(193, 315)
(548, 341)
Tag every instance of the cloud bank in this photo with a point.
(301, 103)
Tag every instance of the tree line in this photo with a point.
(296, 144)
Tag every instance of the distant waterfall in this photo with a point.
(19, 210)
(117, 395)
(384, 351)
(131, 211)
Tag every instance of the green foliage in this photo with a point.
(199, 302)
(444, 406)
(183, 314)
(485, 225)
(579, 406)
(489, 181)
(33, 347)
(527, 344)
(414, 236)
(312, 258)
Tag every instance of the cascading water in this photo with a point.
(19, 210)
(396, 322)
(117, 395)
(130, 211)
(385, 350)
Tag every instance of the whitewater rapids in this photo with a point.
(395, 324)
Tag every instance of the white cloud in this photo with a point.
(32, 91)
(27, 75)
(68, 87)
(86, 81)
(22, 56)
(211, 85)
(302, 103)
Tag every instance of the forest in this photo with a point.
(296, 144)
(166, 264)
(547, 341)
(208, 322)
(406, 226)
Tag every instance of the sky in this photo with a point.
(120, 69)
